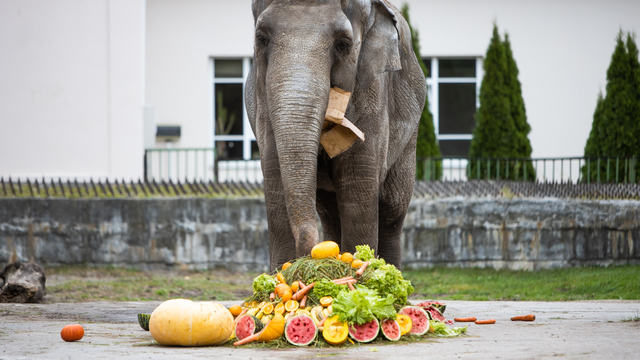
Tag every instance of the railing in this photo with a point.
(544, 170)
(200, 164)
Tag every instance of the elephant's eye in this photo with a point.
(343, 46)
(262, 40)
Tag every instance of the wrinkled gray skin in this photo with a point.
(302, 49)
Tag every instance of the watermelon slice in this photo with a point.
(391, 330)
(438, 305)
(366, 332)
(301, 330)
(248, 325)
(434, 313)
(419, 318)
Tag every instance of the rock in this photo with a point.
(22, 283)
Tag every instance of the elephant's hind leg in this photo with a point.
(394, 203)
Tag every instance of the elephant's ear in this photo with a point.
(258, 6)
(379, 52)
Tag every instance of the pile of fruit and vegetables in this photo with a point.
(328, 297)
(333, 297)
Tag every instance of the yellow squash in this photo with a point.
(325, 249)
(182, 322)
(335, 332)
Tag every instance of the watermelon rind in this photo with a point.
(304, 323)
(357, 331)
(143, 320)
(438, 305)
(419, 318)
(247, 325)
(388, 325)
(434, 313)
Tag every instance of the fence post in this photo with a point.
(498, 170)
(145, 166)
(488, 168)
(426, 169)
(589, 171)
(632, 171)
(598, 170)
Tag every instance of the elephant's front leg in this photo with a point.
(282, 245)
(356, 183)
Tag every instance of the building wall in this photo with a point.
(182, 38)
(71, 88)
(562, 48)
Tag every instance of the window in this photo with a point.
(453, 86)
(233, 138)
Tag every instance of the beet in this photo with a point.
(366, 332)
(390, 330)
(300, 330)
(419, 317)
(248, 325)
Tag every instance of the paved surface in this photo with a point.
(570, 330)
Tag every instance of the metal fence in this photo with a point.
(543, 170)
(198, 164)
(201, 164)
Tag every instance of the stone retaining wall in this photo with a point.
(205, 233)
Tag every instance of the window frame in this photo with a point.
(247, 134)
(433, 82)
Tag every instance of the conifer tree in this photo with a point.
(495, 134)
(427, 145)
(615, 132)
(519, 116)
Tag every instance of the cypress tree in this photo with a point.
(495, 134)
(615, 132)
(427, 145)
(519, 116)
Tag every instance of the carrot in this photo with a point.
(351, 286)
(301, 284)
(322, 322)
(251, 338)
(344, 278)
(362, 269)
(467, 319)
(272, 296)
(303, 301)
(342, 282)
(529, 317)
(302, 292)
(485, 322)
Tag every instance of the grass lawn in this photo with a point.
(587, 283)
(81, 283)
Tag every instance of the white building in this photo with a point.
(85, 86)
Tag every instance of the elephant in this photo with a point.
(302, 49)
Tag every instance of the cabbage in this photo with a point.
(442, 329)
(387, 279)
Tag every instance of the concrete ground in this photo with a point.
(571, 330)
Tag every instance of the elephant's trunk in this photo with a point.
(297, 101)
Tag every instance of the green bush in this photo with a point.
(615, 131)
(427, 143)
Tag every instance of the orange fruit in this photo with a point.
(347, 257)
(281, 279)
(326, 301)
(295, 286)
(279, 309)
(291, 305)
(356, 263)
(268, 309)
(286, 265)
(235, 310)
(339, 256)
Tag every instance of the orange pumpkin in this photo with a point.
(72, 332)
(274, 330)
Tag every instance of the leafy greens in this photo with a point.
(387, 279)
(362, 305)
(264, 284)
